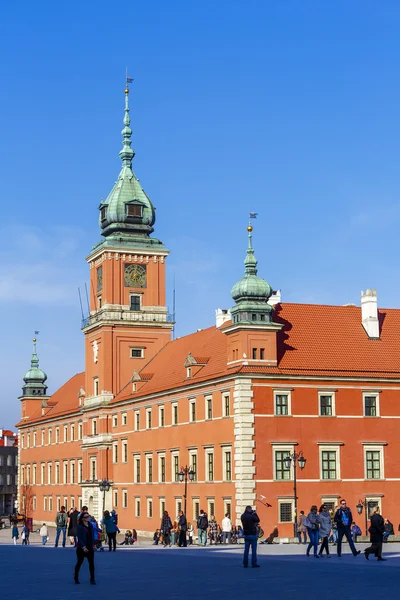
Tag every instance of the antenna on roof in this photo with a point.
(87, 299)
(80, 302)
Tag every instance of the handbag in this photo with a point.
(307, 523)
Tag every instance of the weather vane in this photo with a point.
(128, 80)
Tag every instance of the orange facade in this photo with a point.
(232, 401)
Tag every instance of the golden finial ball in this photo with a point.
(34, 339)
(249, 229)
(126, 90)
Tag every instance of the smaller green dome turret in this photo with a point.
(251, 293)
(34, 378)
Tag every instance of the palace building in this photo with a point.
(268, 381)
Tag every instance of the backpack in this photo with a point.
(61, 520)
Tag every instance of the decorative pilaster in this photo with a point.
(244, 445)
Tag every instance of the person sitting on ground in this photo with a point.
(270, 539)
(134, 536)
(128, 539)
(355, 531)
(388, 530)
(156, 537)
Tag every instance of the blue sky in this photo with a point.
(286, 108)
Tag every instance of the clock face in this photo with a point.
(135, 276)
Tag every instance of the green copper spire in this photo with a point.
(127, 153)
(251, 293)
(34, 378)
(127, 215)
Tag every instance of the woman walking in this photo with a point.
(111, 530)
(14, 533)
(376, 531)
(84, 546)
(166, 527)
(312, 523)
(324, 529)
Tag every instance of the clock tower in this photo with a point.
(128, 321)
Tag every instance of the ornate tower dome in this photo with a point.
(251, 293)
(127, 212)
(34, 378)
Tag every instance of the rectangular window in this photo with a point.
(95, 386)
(281, 404)
(285, 512)
(34, 475)
(262, 350)
(137, 353)
(210, 466)
(57, 436)
(228, 508)
(79, 431)
(50, 437)
(93, 468)
(149, 508)
(115, 420)
(34, 439)
(254, 353)
(370, 406)
(57, 473)
(49, 474)
(80, 471)
(178, 506)
(116, 498)
(115, 452)
(65, 467)
(196, 509)
(175, 414)
(328, 464)
(135, 302)
(124, 418)
(43, 436)
(373, 464)
(137, 420)
(43, 474)
(281, 471)
(148, 418)
(34, 503)
(124, 451)
(149, 469)
(137, 470)
(162, 507)
(226, 405)
(72, 432)
(124, 499)
(192, 408)
(161, 416)
(326, 405)
(94, 426)
(134, 210)
(175, 467)
(228, 465)
(45, 503)
(65, 433)
(162, 469)
(209, 408)
(211, 507)
(193, 460)
(73, 471)
(137, 507)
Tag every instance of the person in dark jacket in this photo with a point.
(250, 520)
(376, 531)
(343, 519)
(111, 530)
(202, 526)
(73, 523)
(166, 526)
(182, 524)
(84, 546)
(388, 530)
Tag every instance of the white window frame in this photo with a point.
(283, 392)
(57, 472)
(136, 349)
(208, 399)
(162, 506)
(72, 432)
(225, 451)
(375, 448)
(65, 471)
(330, 448)
(34, 474)
(136, 425)
(136, 459)
(375, 395)
(80, 430)
(49, 473)
(115, 453)
(57, 436)
(94, 426)
(191, 454)
(195, 508)
(124, 498)
(80, 471)
(72, 473)
(207, 452)
(148, 457)
(174, 454)
(210, 513)
(58, 502)
(149, 421)
(137, 507)
(149, 501)
(42, 473)
(51, 503)
(173, 405)
(95, 386)
(124, 451)
(161, 456)
(115, 420)
(140, 301)
(34, 503)
(327, 393)
(45, 503)
(65, 438)
(115, 494)
(285, 501)
(192, 402)
(34, 439)
(178, 506)
(226, 396)
(161, 411)
(93, 461)
(284, 447)
(43, 437)
(50, 436)
(228, 507)
(124, 419)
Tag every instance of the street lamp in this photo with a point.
(363, 504)
(186, 472)
(104, 486)
(295, 457)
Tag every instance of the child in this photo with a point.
(44, 533)
(156, 537)
(14, 533)
(190, 532)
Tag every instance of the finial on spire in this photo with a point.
(127, 153)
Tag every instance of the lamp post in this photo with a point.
(363, 504)
(104, 486)
(185, 473)
(295, 457)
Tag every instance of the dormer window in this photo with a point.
(103, 213)
(134, 210)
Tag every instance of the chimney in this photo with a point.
(275, 298)
(369, 313)
(222, 315)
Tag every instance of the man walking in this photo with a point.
(250, 519)
(202, 524)
(182, 524)
(61, 524)
(344, 519)
(226, 529)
